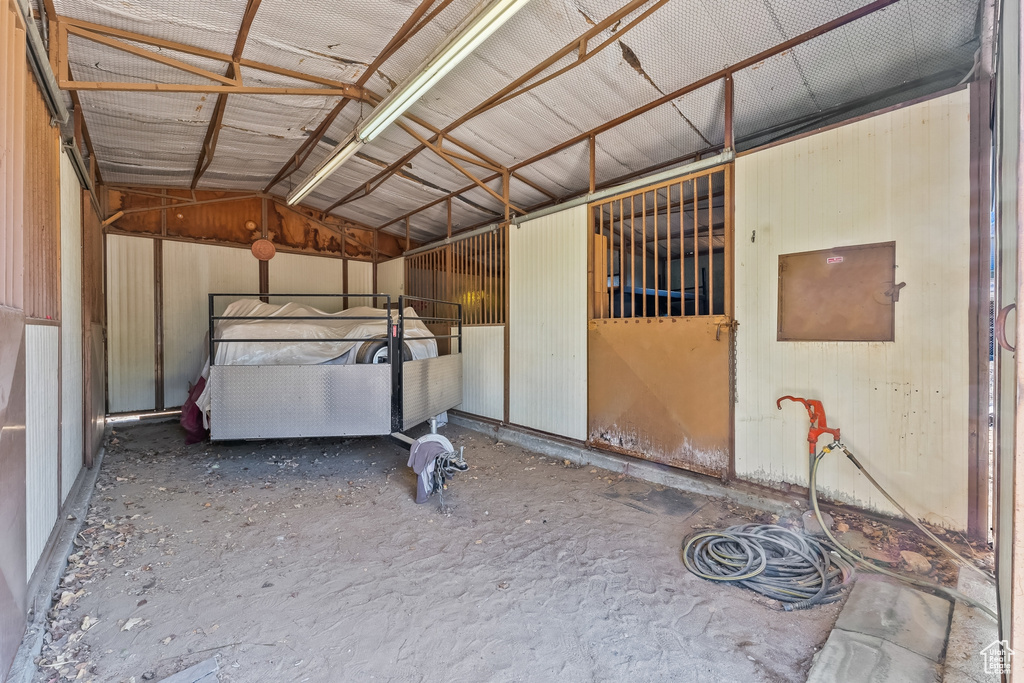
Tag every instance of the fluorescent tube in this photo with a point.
(336, 158)
(476, 30)
(486, 22)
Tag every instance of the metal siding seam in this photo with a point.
(42, 358)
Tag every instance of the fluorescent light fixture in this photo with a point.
(476, 31)
(336, 158)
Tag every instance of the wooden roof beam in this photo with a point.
(510, 91)
(719, 75)
(216, 121)
(407, 31)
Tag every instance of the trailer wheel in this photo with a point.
(376, 351)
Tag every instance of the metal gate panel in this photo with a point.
(660, 390)
(285, 401)
(430, 387)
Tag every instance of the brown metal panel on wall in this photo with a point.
(93, 322)
(42, 208)
(659, 389)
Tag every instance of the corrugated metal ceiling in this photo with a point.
(156, 138)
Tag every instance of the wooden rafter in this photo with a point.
(407, 30)
(233, 71)
(436, 149)
(717, 76)
(65, 23)
(518, 87)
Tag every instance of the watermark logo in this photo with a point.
(997, 657)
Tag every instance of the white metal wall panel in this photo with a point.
(42, 436)
(360, 281)
(483, 371)
(902, 406)
(390, 277)
(298, 274)
(131, 358)
(548, 323)
(72, 397)
(190, 273)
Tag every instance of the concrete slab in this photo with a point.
(970, 631)
(859, 658)
(898, 614)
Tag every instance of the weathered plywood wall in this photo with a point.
(548, 323)
(483, 371)
(72, 390)
(190, 273)
(42, 437)
(131, 358)
(902, 406)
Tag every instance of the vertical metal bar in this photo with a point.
(710, 294)
(622, 261)
(211, 338)
(657, 257)
(611, 255)
(696, 251)
(632, 258)
(643, 254)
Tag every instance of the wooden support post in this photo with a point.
(449, 202)
(407, 219)
(593, 163)
(730, 142)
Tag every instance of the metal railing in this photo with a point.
(213, 318)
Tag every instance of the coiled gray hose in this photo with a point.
(771, 560)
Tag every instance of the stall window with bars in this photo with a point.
(470, 271)
(662, 251)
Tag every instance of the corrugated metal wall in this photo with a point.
(902, 406)
(12, 162)
(483, 371)
(72, 415)
(42, 209)
(548, 323)
(390, 277)
(42, 436)
(131, 358)
(190, 273)
(297, 274)
(360, 281)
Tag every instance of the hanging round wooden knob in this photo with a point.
(263, 249)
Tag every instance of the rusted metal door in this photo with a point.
(660, 336)
(660, 390)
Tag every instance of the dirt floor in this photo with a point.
(310, 561)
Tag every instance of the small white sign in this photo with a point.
(834, 259)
